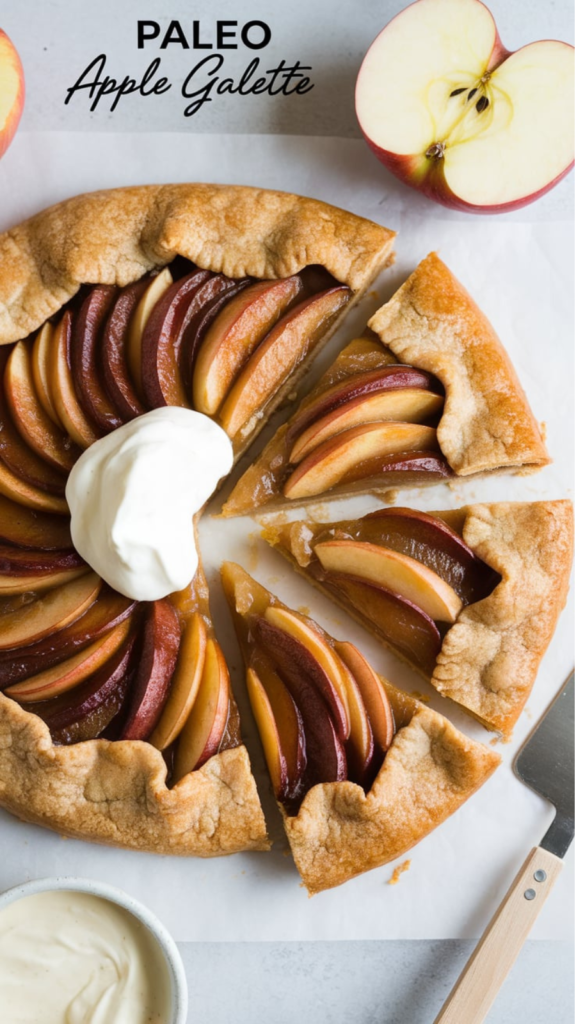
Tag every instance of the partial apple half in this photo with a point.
(453, 113)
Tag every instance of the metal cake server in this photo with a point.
(546, 764)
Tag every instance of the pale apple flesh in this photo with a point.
(453, 113)
(184, 685)
(203, 732)
(11, 91)
(26, 528)
(52, 612)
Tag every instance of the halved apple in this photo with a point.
(48, 614)
(331, 681)
(63, 390)
(32, 422)
(10, 584)
(408, 405)
(20, 491)
(117, 380)
(26, 528)
(399, 573)
(281, 731)
(11, 91)
(238, 329)
(286, 346)
(373, 694)
(155, 670)
(184, 685)
(452, 113)
(328, 464)
(85, 357)
(155, 289)
(68, 674)
(42, 355)
(202, 734)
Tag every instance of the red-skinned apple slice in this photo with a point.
(32, 422)
(26, 528)
(155, 671)
(331, 681)
(408, 405)
(23, 562)
(115, 369)
(238, 329)
(333, 460)
(11, 584)
(155, 289)
(423, 467)
(281, 730)
(18, 490)
(24, 462)
(373, 694)
(324, 750)
(202, 734)
(201, 314)
(104, 614)
(360, 745)
(85, 357)
(162, 383)
(185, 683)
(48, 614)
(11, 91)
(41, 361)
(286, 346)
(454, 114)
(63, 390)
(397, 572)
(69, 673)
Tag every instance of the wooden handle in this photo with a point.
(491, 961)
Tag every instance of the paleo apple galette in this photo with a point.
(360, 770)
(428, 394)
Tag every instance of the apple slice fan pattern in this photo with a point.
(426, 395)
(117, 720)
(361, 771)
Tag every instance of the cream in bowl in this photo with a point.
(81, 957)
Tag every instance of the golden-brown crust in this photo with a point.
(433, 323)
(115, 792)
(490, 656)
(116, 236)
(429, 772)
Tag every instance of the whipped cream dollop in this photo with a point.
(132, 496)
(73, 958)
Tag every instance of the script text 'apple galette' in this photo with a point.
(360, 770)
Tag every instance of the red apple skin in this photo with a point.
(155, 670)
(431, 181)
(8, 52)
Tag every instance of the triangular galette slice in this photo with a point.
(427, 394)
(361, 771)
(117, 719)
(469, 597)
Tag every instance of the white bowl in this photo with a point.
(178, 985)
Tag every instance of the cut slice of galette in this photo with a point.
(427, 394)
(469, 597)
(361, 771)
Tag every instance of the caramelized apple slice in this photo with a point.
(239, 328)
(155, 671)
(162, 383)
(423, 467)
(31, 421)
(108, 611)
(117, 380)
(328, 464)
(23, 562)
(86, 712)
(155, 289)
(47, 614)
(200, 315)
(80, 429)
(202, 734)
(29, 529)
(18, 490)
(303, 676)
(436, 545)
(85, 357)
(360, 745)
(399, 573)
(373, 694)
(281, 730)
(408, 405)
(286, 346)
(185, 684)
(400, 623)
(330, 681)
(41, 361)
(68, 674)
(10, 584)
(23, 460)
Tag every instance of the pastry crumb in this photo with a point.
(395, 877)
(543, 429)
(421, 696)
(494, 741)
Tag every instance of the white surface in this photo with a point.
(522, 276)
